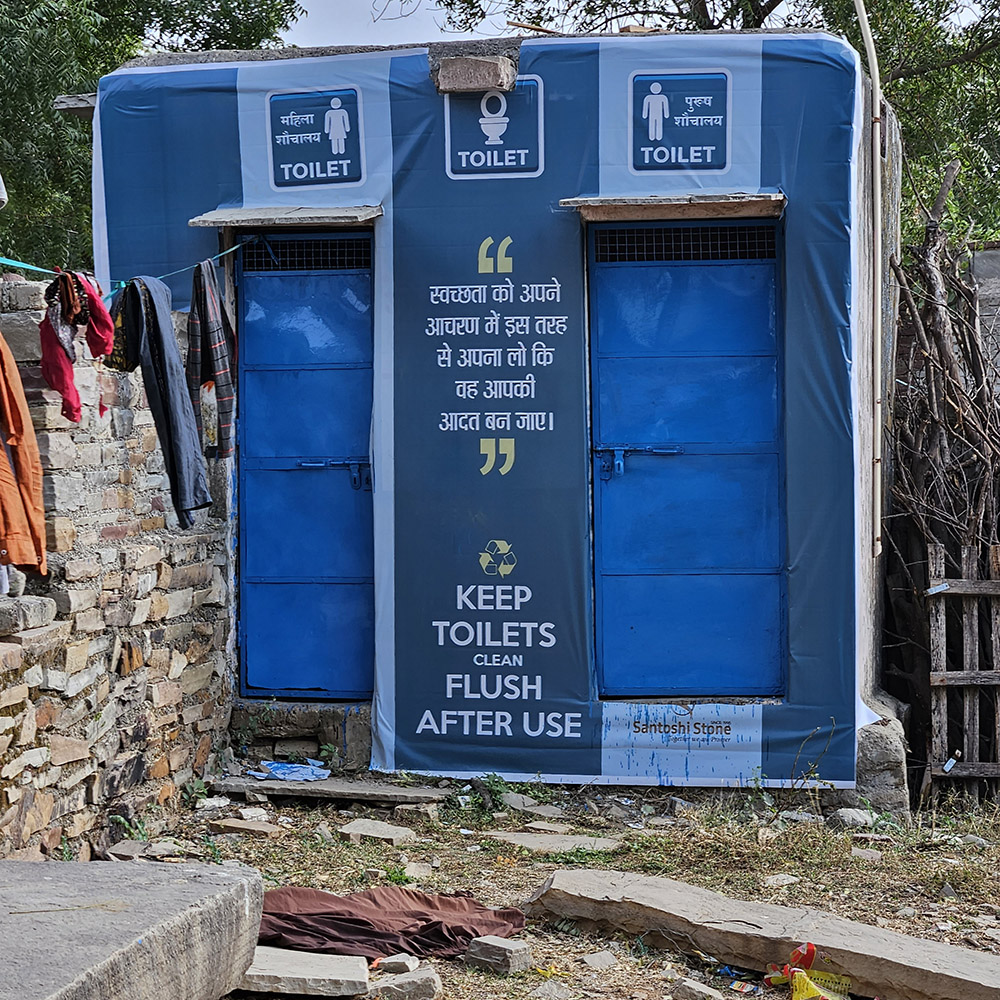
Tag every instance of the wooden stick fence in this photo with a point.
(965, 691)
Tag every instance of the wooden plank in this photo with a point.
(964, 588)
(995, 636)
(332, 788)
(939, 660)
(970, 656)
(966, 678)
(980, 770)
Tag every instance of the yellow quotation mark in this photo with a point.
(504, 264)
(489, 448)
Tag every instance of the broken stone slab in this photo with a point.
(212, 802)
(600, 960)
(396, 964)
(691, 989)
(497, 954)
(330, 788)
(749, 935)
(474, 74)
(127, 850)
(526, 804)
(851, 819)
(374, 829)
(90, 931)
(280, 970)
(780, 880)
(538, 826)
(554, 843)
(418, 870)
(247, 826)
(552, 991)
(422, 984)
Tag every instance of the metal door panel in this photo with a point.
(309, 637)
(706, 513)
(306, 536)
(655, 309)
(307, 319)
(721, 400)
(323, 411)
(712, 636)
(294, 525)
(688, 474)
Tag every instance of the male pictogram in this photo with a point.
(655, 108)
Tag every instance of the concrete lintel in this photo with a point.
(141, 930)
(475, 74)
(78, 105)
(351, 215)
(767, 205)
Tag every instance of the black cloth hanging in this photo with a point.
(149, 336)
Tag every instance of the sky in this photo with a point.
(375, 22)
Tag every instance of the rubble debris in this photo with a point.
(400, 962)
(555, 843)
(373, 829)
(422, 984)
(600, 960)
(851, 819)
(255, 814)
(539, 826)
(524, 803)
(366, 791)
(418, 870)
(780, 880)
(500, 955)
(426, 810)
(691, 989)
(552, 991)
(749, 935)
(279, 970)
(213, 802)
(232, 825)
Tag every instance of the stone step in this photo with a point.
(331, 788)
(749, 935)
(92, 931)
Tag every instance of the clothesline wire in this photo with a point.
(10, 262)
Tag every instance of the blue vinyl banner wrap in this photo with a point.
(614, 467)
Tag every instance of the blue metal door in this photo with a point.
(687, 464)
(306, 546)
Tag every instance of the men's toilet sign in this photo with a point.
(679, 121)
(316, 138)
(495, 134)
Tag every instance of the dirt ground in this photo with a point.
(934, 877)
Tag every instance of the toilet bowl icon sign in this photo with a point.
(495, 134)
(495, 123)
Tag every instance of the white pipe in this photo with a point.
(876, 155)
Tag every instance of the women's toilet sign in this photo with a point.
(316, 138)
(679, 121)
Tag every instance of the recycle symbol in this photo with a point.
(497, 558)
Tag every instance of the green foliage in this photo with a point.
(939, 60)
(134, 831)
(53, 47)
(396, 874)
(193, 791)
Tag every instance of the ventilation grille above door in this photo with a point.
(678, 243)
(350, 254)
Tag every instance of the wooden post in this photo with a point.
(970, 657)
(939, 661)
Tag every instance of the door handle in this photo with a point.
(613, 456)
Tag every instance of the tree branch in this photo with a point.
(969, 55)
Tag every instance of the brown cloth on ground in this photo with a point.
(380, 922)
(22, 515)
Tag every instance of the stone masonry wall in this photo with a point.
(116, 669)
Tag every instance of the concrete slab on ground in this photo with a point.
(99, 930)
(306, 973)
(555, 843)
(749, 935)
(331, 788)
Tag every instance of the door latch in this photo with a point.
(613, 456)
